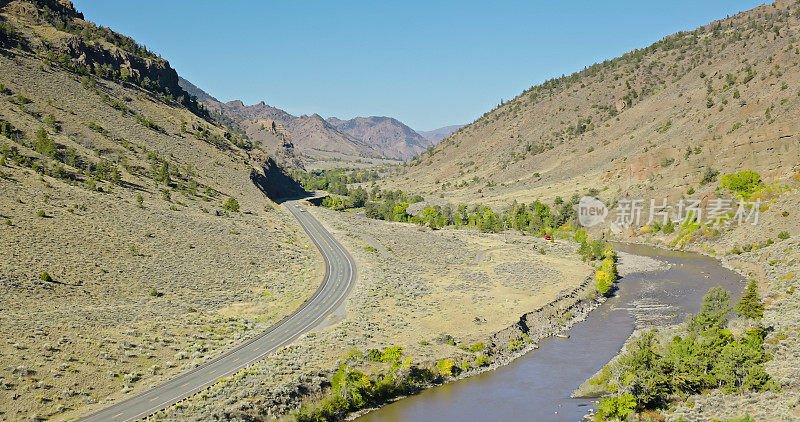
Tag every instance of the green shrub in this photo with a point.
(154, 292)
(41, 213)
(742, 184)
(709, 176)
(477, 347)
(617, 408)
(445, 367)
(783, 235)
(231, 205)
(46, 277)
(52, 122)
(745, 418)
(148, 123)
(481, 360)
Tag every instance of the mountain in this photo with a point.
(313, 136)
(318, 139)
(721, 98)
(434, 136)
(266, 134)
(124, 207)
(389, 136)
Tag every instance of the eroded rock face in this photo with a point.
(131, 66)
(30, 9)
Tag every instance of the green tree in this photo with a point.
(713, 312)
(349, 384)
(740, 366)
(431, 217)
(44, 145)
(750, 306)
(644, 375)
(399, 212)
(617, 408)
(231, 205)
(163, 173)
(357, 197)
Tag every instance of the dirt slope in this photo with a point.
(122, 249)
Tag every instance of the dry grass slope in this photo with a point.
(123, 199)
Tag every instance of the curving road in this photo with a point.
(340, 276)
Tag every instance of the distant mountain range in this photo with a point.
(389, 136)
(434, 136)
(316, 138)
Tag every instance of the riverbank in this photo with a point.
(553, 320)
(775, 268)
(537, 386)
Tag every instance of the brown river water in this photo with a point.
(537, 386)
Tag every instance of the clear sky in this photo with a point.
(427, 63)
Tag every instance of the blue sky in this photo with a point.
(427, 63)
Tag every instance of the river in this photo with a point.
(537, 386)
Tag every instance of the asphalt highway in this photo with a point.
(340, 276)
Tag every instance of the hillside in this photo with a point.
(268, 135)
(435, 136)
(647, 124)
(124, 208)
(389, 136)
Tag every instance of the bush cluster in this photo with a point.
(654, 371)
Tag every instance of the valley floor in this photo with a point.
(433, 293)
